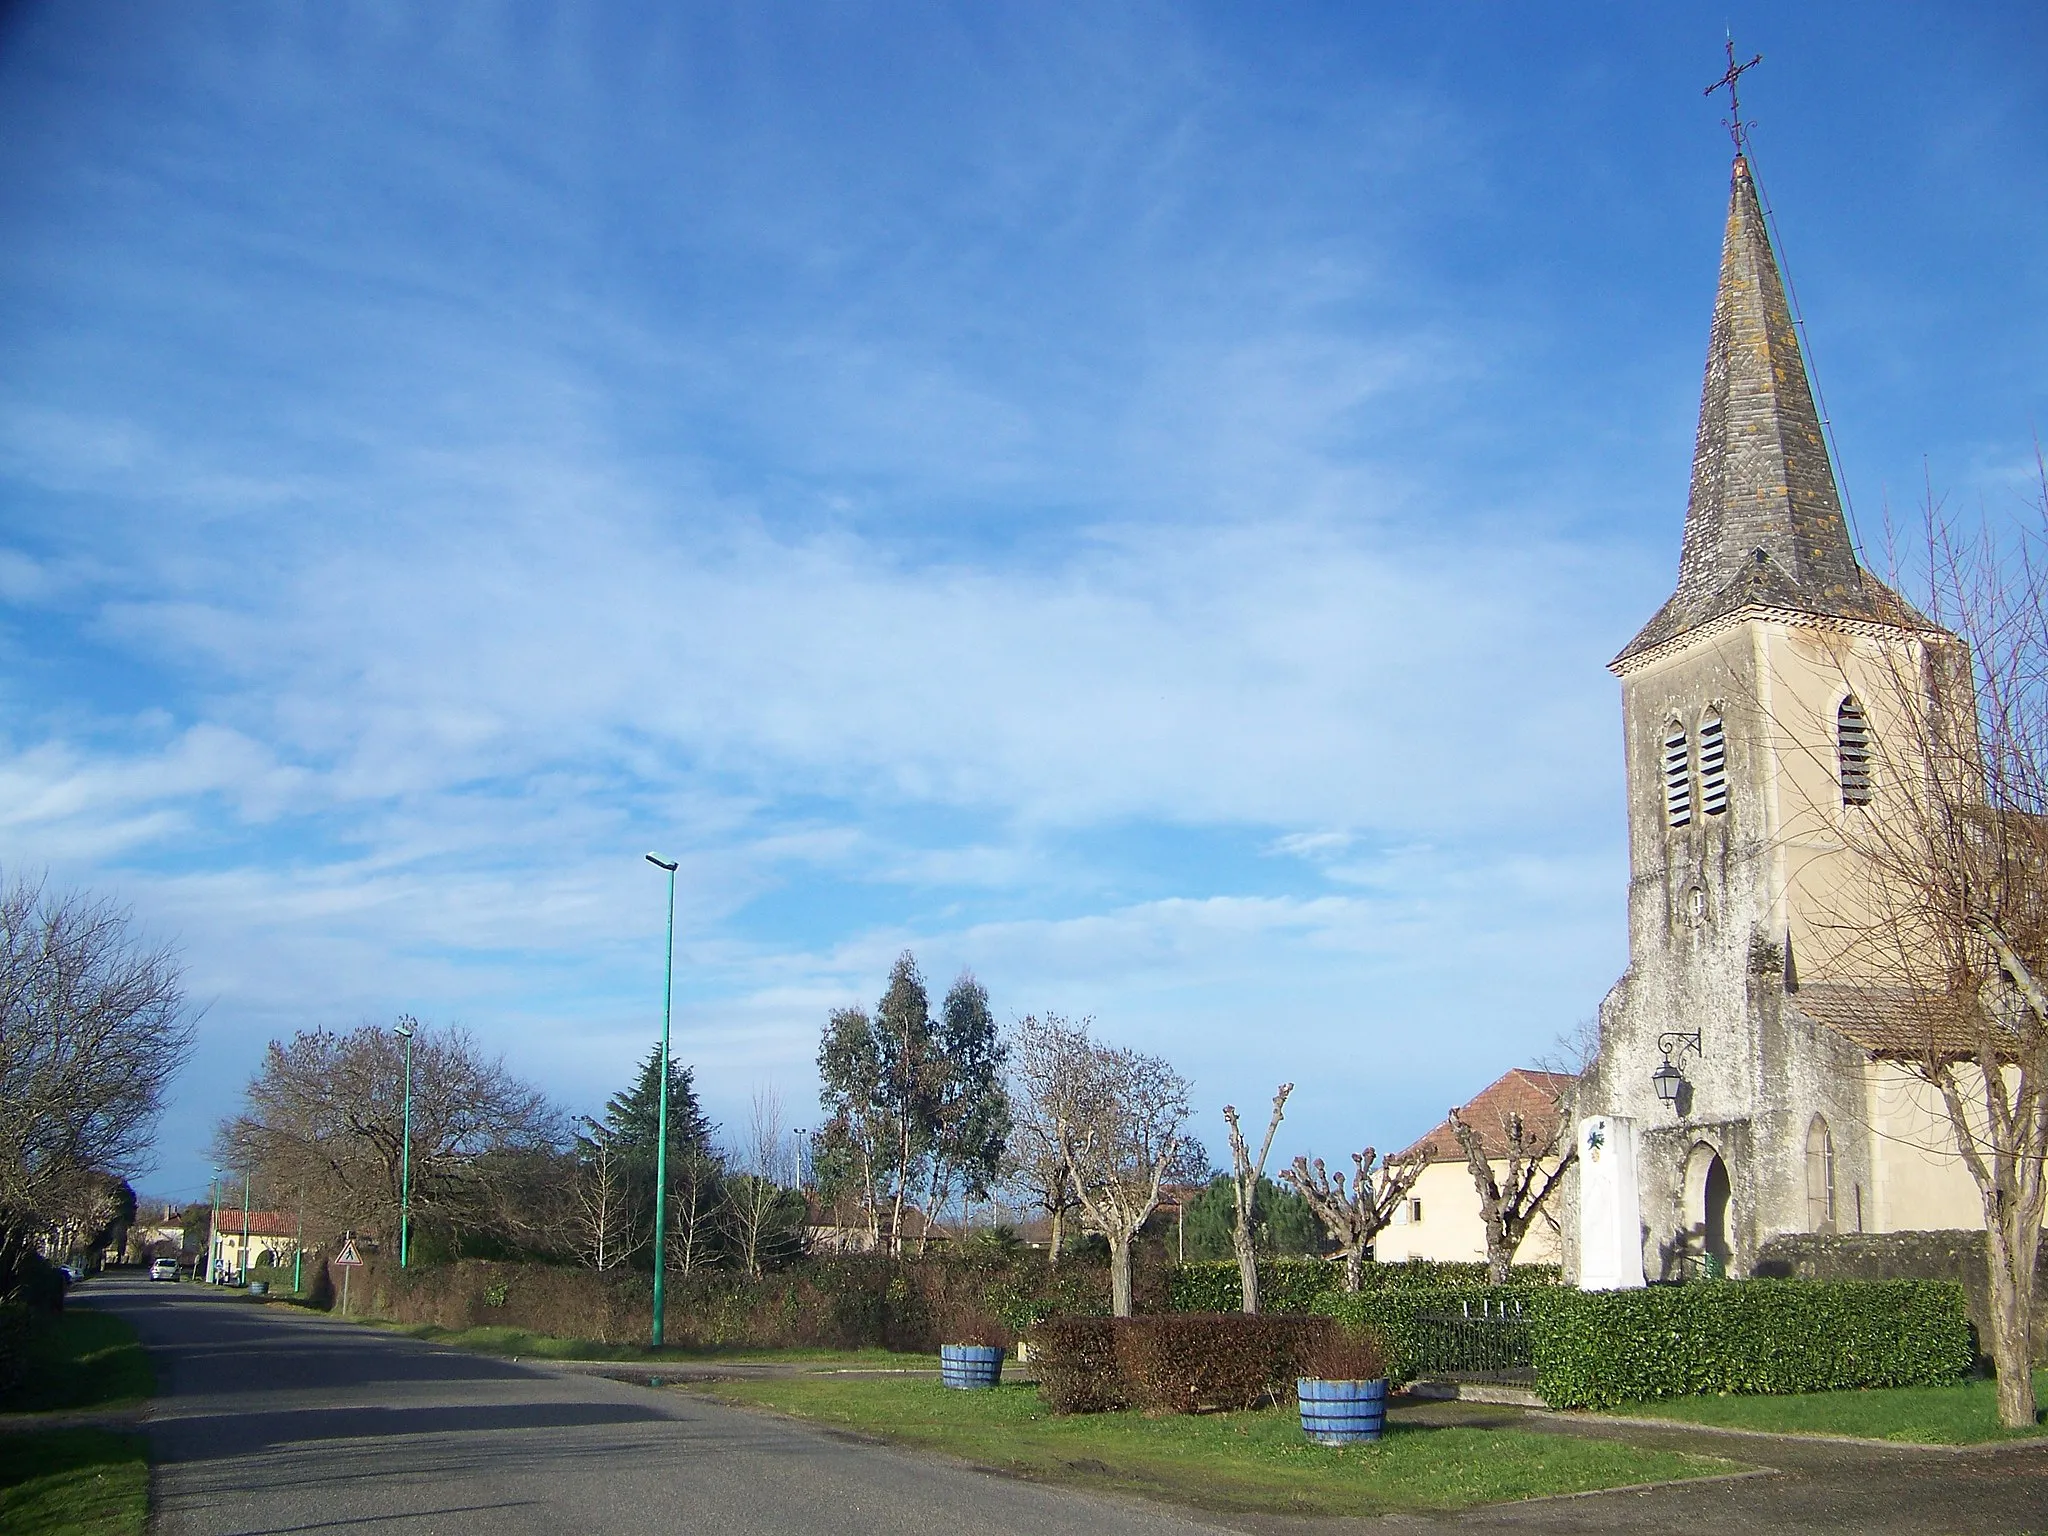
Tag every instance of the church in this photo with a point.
(1733, 1100)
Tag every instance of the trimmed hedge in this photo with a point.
(1597, 1349)
(1295, 1285)
(1075, 1358)
(1186, 1362)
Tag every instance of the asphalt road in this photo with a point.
(270, 1420)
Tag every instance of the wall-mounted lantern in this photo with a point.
(1667, 1079)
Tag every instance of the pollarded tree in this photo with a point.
(1353, 1218)
(1513, 1196)
(1246, 1174)
(93, 1027)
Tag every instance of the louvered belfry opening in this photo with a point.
(1677, 777)
(1713, 766)
(1852, 743)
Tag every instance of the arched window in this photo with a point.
(1820, 1177)
(1677, 776)
(1852, 747)
(1713, 766)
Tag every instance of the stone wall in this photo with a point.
(1957, 1256)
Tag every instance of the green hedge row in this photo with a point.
(1294, 1285)
(1598, 1349)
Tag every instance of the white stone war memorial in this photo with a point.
(1734, 1098)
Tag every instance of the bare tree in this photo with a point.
(1244, 1182)
(1047, 1057)
(1942, 794)
(1355, 1217)
(697, 1203)
(1119, 1120)
(93, 1027)
(1509, 1202)
(753, 1198)
(606, 1231)
(324, 1114)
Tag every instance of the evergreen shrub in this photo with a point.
(1597, 1349)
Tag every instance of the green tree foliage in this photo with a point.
(632, 1119)
(1282, 1221)
(970, 1107)
(915, 1106)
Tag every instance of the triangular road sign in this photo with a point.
(348, 1254)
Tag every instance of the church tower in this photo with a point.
(1748, 703)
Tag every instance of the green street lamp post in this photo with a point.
(404, 1029)
(668, 991)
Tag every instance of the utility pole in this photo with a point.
(242, 1269)
(299, 1241)
(668, 989)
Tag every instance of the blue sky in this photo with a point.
(1133, 500)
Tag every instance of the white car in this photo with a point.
(163, 1269)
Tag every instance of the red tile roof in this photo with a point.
(261, 1223)
(1524, 1091)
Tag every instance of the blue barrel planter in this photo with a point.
(970, 1366)
(1342, 1412)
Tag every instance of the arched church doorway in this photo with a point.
(1707, 1193)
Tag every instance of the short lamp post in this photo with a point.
(668, 990)
(1667, 1079)
(213, 1231)
(404, 1029)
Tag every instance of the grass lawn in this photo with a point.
(541, 1346)
(73, 1482)
(1225, 1461)
(1966, 1414)
(80, 1359)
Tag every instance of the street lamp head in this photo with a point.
(660, 863)
(405, 1026)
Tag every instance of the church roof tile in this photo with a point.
(1889, 1021)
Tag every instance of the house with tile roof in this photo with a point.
(1440, 1218)
(1734, 1098)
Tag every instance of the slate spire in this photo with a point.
(1763, 526)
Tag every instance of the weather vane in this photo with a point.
(1733, 121)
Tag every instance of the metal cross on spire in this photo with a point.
(1733, 121)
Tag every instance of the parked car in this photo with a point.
(163, 1269)
(72, 1273)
